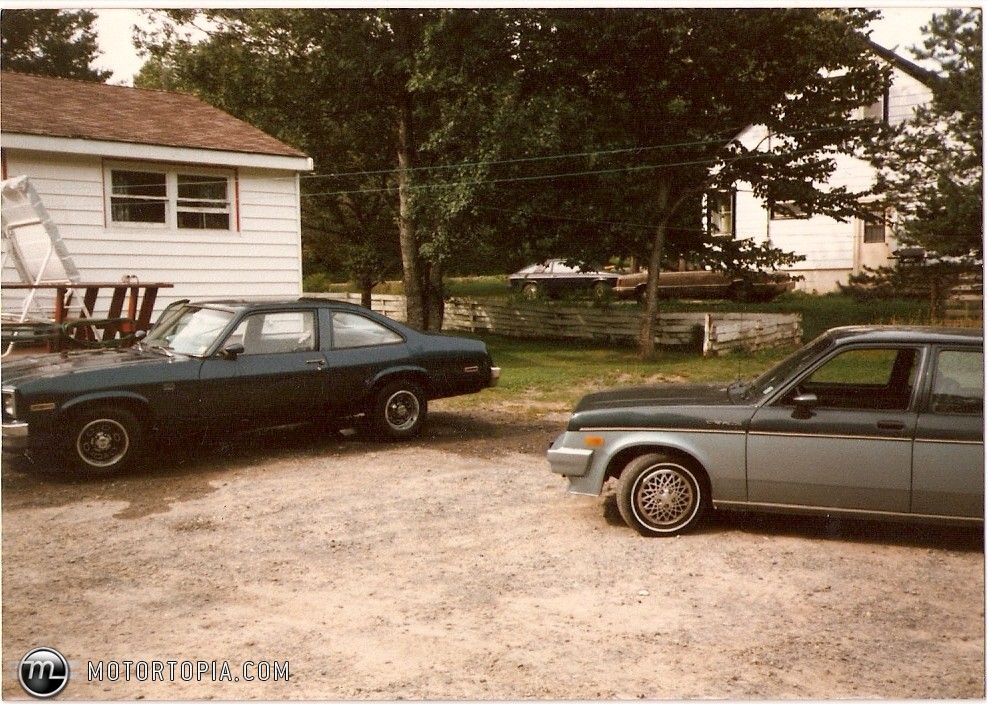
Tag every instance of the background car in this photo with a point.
(230, 365)
(555, 277)
(872, 422)
(703, 283)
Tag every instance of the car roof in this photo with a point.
(927, 334)
(251, 302)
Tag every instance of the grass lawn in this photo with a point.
(539, 374)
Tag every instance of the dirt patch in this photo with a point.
(456, 566)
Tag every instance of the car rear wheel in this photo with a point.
(531, 292)
(399, 410)
(741, 292)
(103, 440)
(659, 495)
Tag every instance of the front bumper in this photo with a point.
(15, 436)
(569, 462)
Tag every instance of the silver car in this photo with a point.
(872, 422)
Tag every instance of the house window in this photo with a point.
(879, 111)
(787, 210)
(720, 213)
(874, 232)
(139, 196)
(185, 200)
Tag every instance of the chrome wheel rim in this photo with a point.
(664, 497)
(102, 442)
(402, 410)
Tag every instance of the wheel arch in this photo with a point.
(621, 459)
(416, 375)
(135, 403)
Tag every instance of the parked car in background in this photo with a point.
(703, 283)
(232, 364)
(555, 277)
(871, 422)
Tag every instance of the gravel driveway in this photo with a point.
(456, 566)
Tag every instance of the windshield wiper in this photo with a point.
(160, 348)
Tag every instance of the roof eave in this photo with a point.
(153, 152)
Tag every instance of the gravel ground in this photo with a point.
(456, 567)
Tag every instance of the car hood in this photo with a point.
(657, 395)
(684, 406)
(46, 366)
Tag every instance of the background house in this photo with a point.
(834, 250)
(157, 185)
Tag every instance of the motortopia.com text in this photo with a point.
(187, 671)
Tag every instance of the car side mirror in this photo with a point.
(233, 351)
(805, 403)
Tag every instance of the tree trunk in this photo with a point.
(410, 261)
(434, 299)
(366, 292)
(646, 333)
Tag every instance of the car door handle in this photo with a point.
(319, 362)
(891, 425)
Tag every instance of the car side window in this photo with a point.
(864, 379)
(959, 383)
(276, 332)
(353, 330)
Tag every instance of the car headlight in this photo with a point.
(9, 404)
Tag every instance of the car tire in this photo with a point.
(103, 440)
(741, 292)
(660, 495)
(601, 291)
(399, 410)
(531, 292)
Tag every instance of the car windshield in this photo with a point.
(776, 376)
(192, 331)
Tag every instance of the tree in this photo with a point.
(931, 167)
(353, 89)
(59, 43)
(681, 83)
(524, 133)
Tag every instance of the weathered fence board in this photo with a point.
(711, 333)
(966, 301)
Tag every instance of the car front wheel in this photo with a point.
(104, 440)
(399, 410)
(659, 495)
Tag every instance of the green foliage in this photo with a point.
(932, 166)
(58, 43)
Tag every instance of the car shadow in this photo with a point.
(184, 468)
(923, 535)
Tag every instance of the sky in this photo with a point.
(899, 29)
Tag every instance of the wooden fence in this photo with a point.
(709, 333)
(965, 303)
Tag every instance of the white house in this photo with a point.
(834, 250)
(157, 185)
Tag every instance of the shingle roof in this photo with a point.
(58, 107)
(928, 78)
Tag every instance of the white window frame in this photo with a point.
(787, 210)
(722, 205)
(171, 199)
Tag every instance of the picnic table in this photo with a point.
(118, 327)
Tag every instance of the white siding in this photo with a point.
(834, 250)
(262, 257)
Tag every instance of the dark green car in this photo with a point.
(230, 365)
(870, 422)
